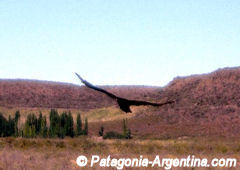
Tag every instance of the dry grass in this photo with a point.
(20, 153)
(94, 115)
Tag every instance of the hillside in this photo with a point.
(206, 104)
(44, 94)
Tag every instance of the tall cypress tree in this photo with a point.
(70, 130)
(63, 124)
(39, 120)
(85, 131)
(54, 129)
(10, 126)
(30, 126)
(16, 119)
(3, 126)
(79, 125)
(43, 128)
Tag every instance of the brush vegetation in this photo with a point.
(54, 153)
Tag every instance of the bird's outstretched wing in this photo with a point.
(138, 103)
(123, 103)
(95, 88)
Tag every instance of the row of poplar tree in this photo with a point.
(60, 125)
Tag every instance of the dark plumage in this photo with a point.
(123, 103)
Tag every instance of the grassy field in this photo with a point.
(38, 153)
(94, 115)
(21, 153)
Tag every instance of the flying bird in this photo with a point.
(123, 103)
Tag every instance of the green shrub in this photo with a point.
(113, 135)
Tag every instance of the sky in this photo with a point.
(117, 42)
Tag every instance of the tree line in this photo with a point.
(60, 125)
